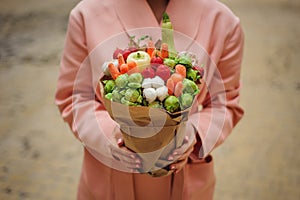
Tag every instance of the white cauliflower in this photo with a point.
(162, 93)
(149, 94)
(147, 83)
(157, 82)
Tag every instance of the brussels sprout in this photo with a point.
(186, 100)
(122, 80)
(108, 96)
(116, 95)
(135, 78)
(190, 87)
(140, 99)
(122, 91)
(185, 60)
(170, 62)
(192, 74)
(171, 104)
(155, 104)
(126, 102)
(109, 86)
(134, 85)
(132, 95)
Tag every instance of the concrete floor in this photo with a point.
(40, 159)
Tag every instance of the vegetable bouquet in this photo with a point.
(148, 89)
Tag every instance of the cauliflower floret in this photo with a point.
(149, 94)
(162, 93)
(157, 82)
(147, 83)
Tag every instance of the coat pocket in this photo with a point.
(199, 178)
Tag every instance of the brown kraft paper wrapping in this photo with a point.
(152, 133)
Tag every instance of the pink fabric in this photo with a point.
(91, 22)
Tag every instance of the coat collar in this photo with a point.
(185, 17)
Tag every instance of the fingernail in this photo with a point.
(175, 153)
(172, 167)
(119, 141)
(138, 161)
(170, 158)
(137, 166)
(132, 156)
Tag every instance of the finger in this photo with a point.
(122, 154)
(181, 153)
(120, 142)
(186, 154)
(129, 164)
(186, 139)
(178, 166)
(126, 155)
(184, 147)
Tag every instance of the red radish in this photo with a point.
(163, 72)
(148, 73)
(128, 51)
(156, 60)
(117, 52)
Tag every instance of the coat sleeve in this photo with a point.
(75, 94)
(220, 108)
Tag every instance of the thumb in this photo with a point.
(120, 142)
(117, 134)
(119, 139)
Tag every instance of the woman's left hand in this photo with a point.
(182, 153)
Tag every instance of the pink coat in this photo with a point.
(208, 22)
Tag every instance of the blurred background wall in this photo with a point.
(40, 158)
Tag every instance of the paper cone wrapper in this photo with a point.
(152, 133)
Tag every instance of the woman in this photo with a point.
(210, 24)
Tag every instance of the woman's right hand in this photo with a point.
(127, 158)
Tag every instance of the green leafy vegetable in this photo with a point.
(109, 86)
(171, 104)
(122, 80)
(186, 100)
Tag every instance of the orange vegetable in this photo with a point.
(170, 85)
(156, 53)
(150, 47)
(124, 68)
(113, 70)
(120, 60)
(176, 78)
(164, 50)
(178, 89)
(180, 69)
(132, 67)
